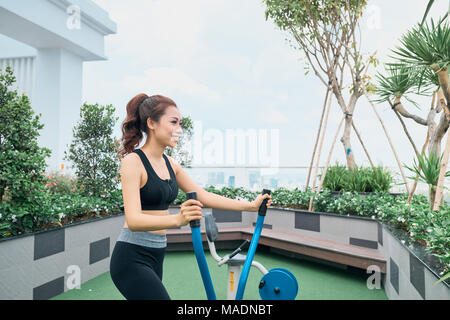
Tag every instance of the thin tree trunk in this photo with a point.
(437, 133)
(444, 83)
(390, 142)
(362, 144)
(348, 110)
(320, 148)
(346, 138)
(413, 189)
(405, 129)
(322, 179)
(440, 185)
(317, 139)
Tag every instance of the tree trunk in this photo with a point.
(347, 130)
(362, 143)
(320, 149)
(443, 81)
(439, 188)
(324, 173)
(347, 144)
(390, 143)
(432, 192)
(317, 139)
(437, 133)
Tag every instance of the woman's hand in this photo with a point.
(255, 204)
(190, 210)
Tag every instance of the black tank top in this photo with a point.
(157, 193)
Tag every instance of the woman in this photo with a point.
(150, 181)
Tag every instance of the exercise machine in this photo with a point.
(276, 284)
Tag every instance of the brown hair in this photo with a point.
(139, 109)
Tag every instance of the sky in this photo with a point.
(229, 69)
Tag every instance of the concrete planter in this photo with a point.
(41, 265)
(408, 276)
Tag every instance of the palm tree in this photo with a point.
(430, 3)
(430, 172)
(422, 65)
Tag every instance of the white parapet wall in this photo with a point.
(46, 43)
(45, 264)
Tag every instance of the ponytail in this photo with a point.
(139, 109)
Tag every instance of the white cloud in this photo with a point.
(271, 116)
(154, 31)
(225, 51)
(170, 82)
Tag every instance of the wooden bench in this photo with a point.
(342, 253)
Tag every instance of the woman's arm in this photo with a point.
(216, 201)
(146, 222)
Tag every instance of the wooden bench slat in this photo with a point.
(320, 248)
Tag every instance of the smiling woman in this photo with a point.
(150, 182)
(137, 259)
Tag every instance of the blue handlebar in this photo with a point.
(200, 254)
(252, 249)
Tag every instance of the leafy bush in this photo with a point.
(371, 179)
(53, 209)
(22, 161)
(430, 168)
(336, 178)
(93, 152)
(57, 182)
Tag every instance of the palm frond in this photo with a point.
(430, 168)
(399, 81)
(424, 46)
(430, 4)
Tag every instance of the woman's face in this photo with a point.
(168, 131)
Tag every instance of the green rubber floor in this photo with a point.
(182, 279)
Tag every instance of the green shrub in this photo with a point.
(336, 178)
(22, 161)
(372, 179)
(49, 209)
(57, 182)
(93, 152)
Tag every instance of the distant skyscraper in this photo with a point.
(274, 183)
(254, 178)
(220, 178)
(212, 178)
(231, 181)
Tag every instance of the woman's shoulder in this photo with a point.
(130, 161)
(130, 157)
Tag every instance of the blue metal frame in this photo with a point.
(200, 254)
(248, 261)
(201, 261)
